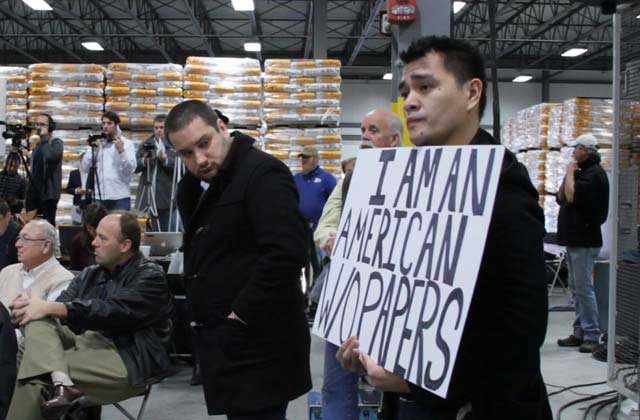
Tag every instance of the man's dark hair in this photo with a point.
(4, 208)
(111, 116)
(160, 118)
(91, 216)
(129, 228)
(184, 113)
(460, 58)
(50, 123)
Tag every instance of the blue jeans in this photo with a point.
(580, 263)
(120, 204)
(339, 388)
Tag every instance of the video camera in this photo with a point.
(93, 138)
(148, 148)
(17, 133)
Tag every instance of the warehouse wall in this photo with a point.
(360, 96)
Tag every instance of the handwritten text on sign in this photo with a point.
(407, 255)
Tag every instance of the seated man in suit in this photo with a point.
(101, 336)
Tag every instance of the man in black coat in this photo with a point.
(497, 370)
(584, 206)
(156, 158)
(244, 250)
(46, 171)
(102, 335)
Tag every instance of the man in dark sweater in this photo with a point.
(497, 369)
(8, 233)
(13, 186)
(46, 171)
(584, 206)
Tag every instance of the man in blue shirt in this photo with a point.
(314, 186)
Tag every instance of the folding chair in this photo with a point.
(86, 402)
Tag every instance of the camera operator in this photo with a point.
(115, 160)
(13, 186)
(156, 159)
(45, 184)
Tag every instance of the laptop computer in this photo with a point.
(162, 243)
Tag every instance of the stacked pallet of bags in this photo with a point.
(302, 92)
(139, 92)
(73, 94)
(302, 108)
(231, 85)
(285, 143)
(586, 115)
(16, 94)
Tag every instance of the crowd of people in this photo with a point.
(250, 228)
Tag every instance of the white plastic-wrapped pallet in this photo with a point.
(139, 92)
(551, 210)
(302, 92)
(231, 85)
(586, 115)
(71, 93)
(16, 94)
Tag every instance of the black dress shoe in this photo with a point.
(62, 401)
(571, 341)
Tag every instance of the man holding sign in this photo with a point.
(433, 206)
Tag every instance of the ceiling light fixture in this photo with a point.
(522, 78)
(458, 5)
(574, 52)
(38, 4)
(387, 76)
(252, 46)
(243, 5)
(92, 46)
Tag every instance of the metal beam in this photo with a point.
(63, 12)
(203, 25)
(48, 39)
(307, 31)
(579, 38)
(20, 51)
(151, 20)
(365, 30)
(256, 29)
(320, 13)
(593, 56)
(542, 28)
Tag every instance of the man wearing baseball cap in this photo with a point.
(584, 205)
(314, 185)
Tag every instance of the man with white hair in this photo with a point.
(38, 269)
(584, 205)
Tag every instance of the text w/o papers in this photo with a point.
(407, 255)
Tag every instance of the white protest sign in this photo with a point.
(407, 255)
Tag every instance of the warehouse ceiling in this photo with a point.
(530, 34)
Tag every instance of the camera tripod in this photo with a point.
(93, 181)
(148, 197)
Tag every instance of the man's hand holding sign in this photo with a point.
(405, 262)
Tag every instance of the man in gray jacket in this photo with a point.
(155, 159)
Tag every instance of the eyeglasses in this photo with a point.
(25, 239)
(39, 124)
(305, 157)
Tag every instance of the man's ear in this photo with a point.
(474, 89)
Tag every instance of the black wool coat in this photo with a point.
(498, 364)
(244, 249)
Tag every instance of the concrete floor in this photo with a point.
(175, 399)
